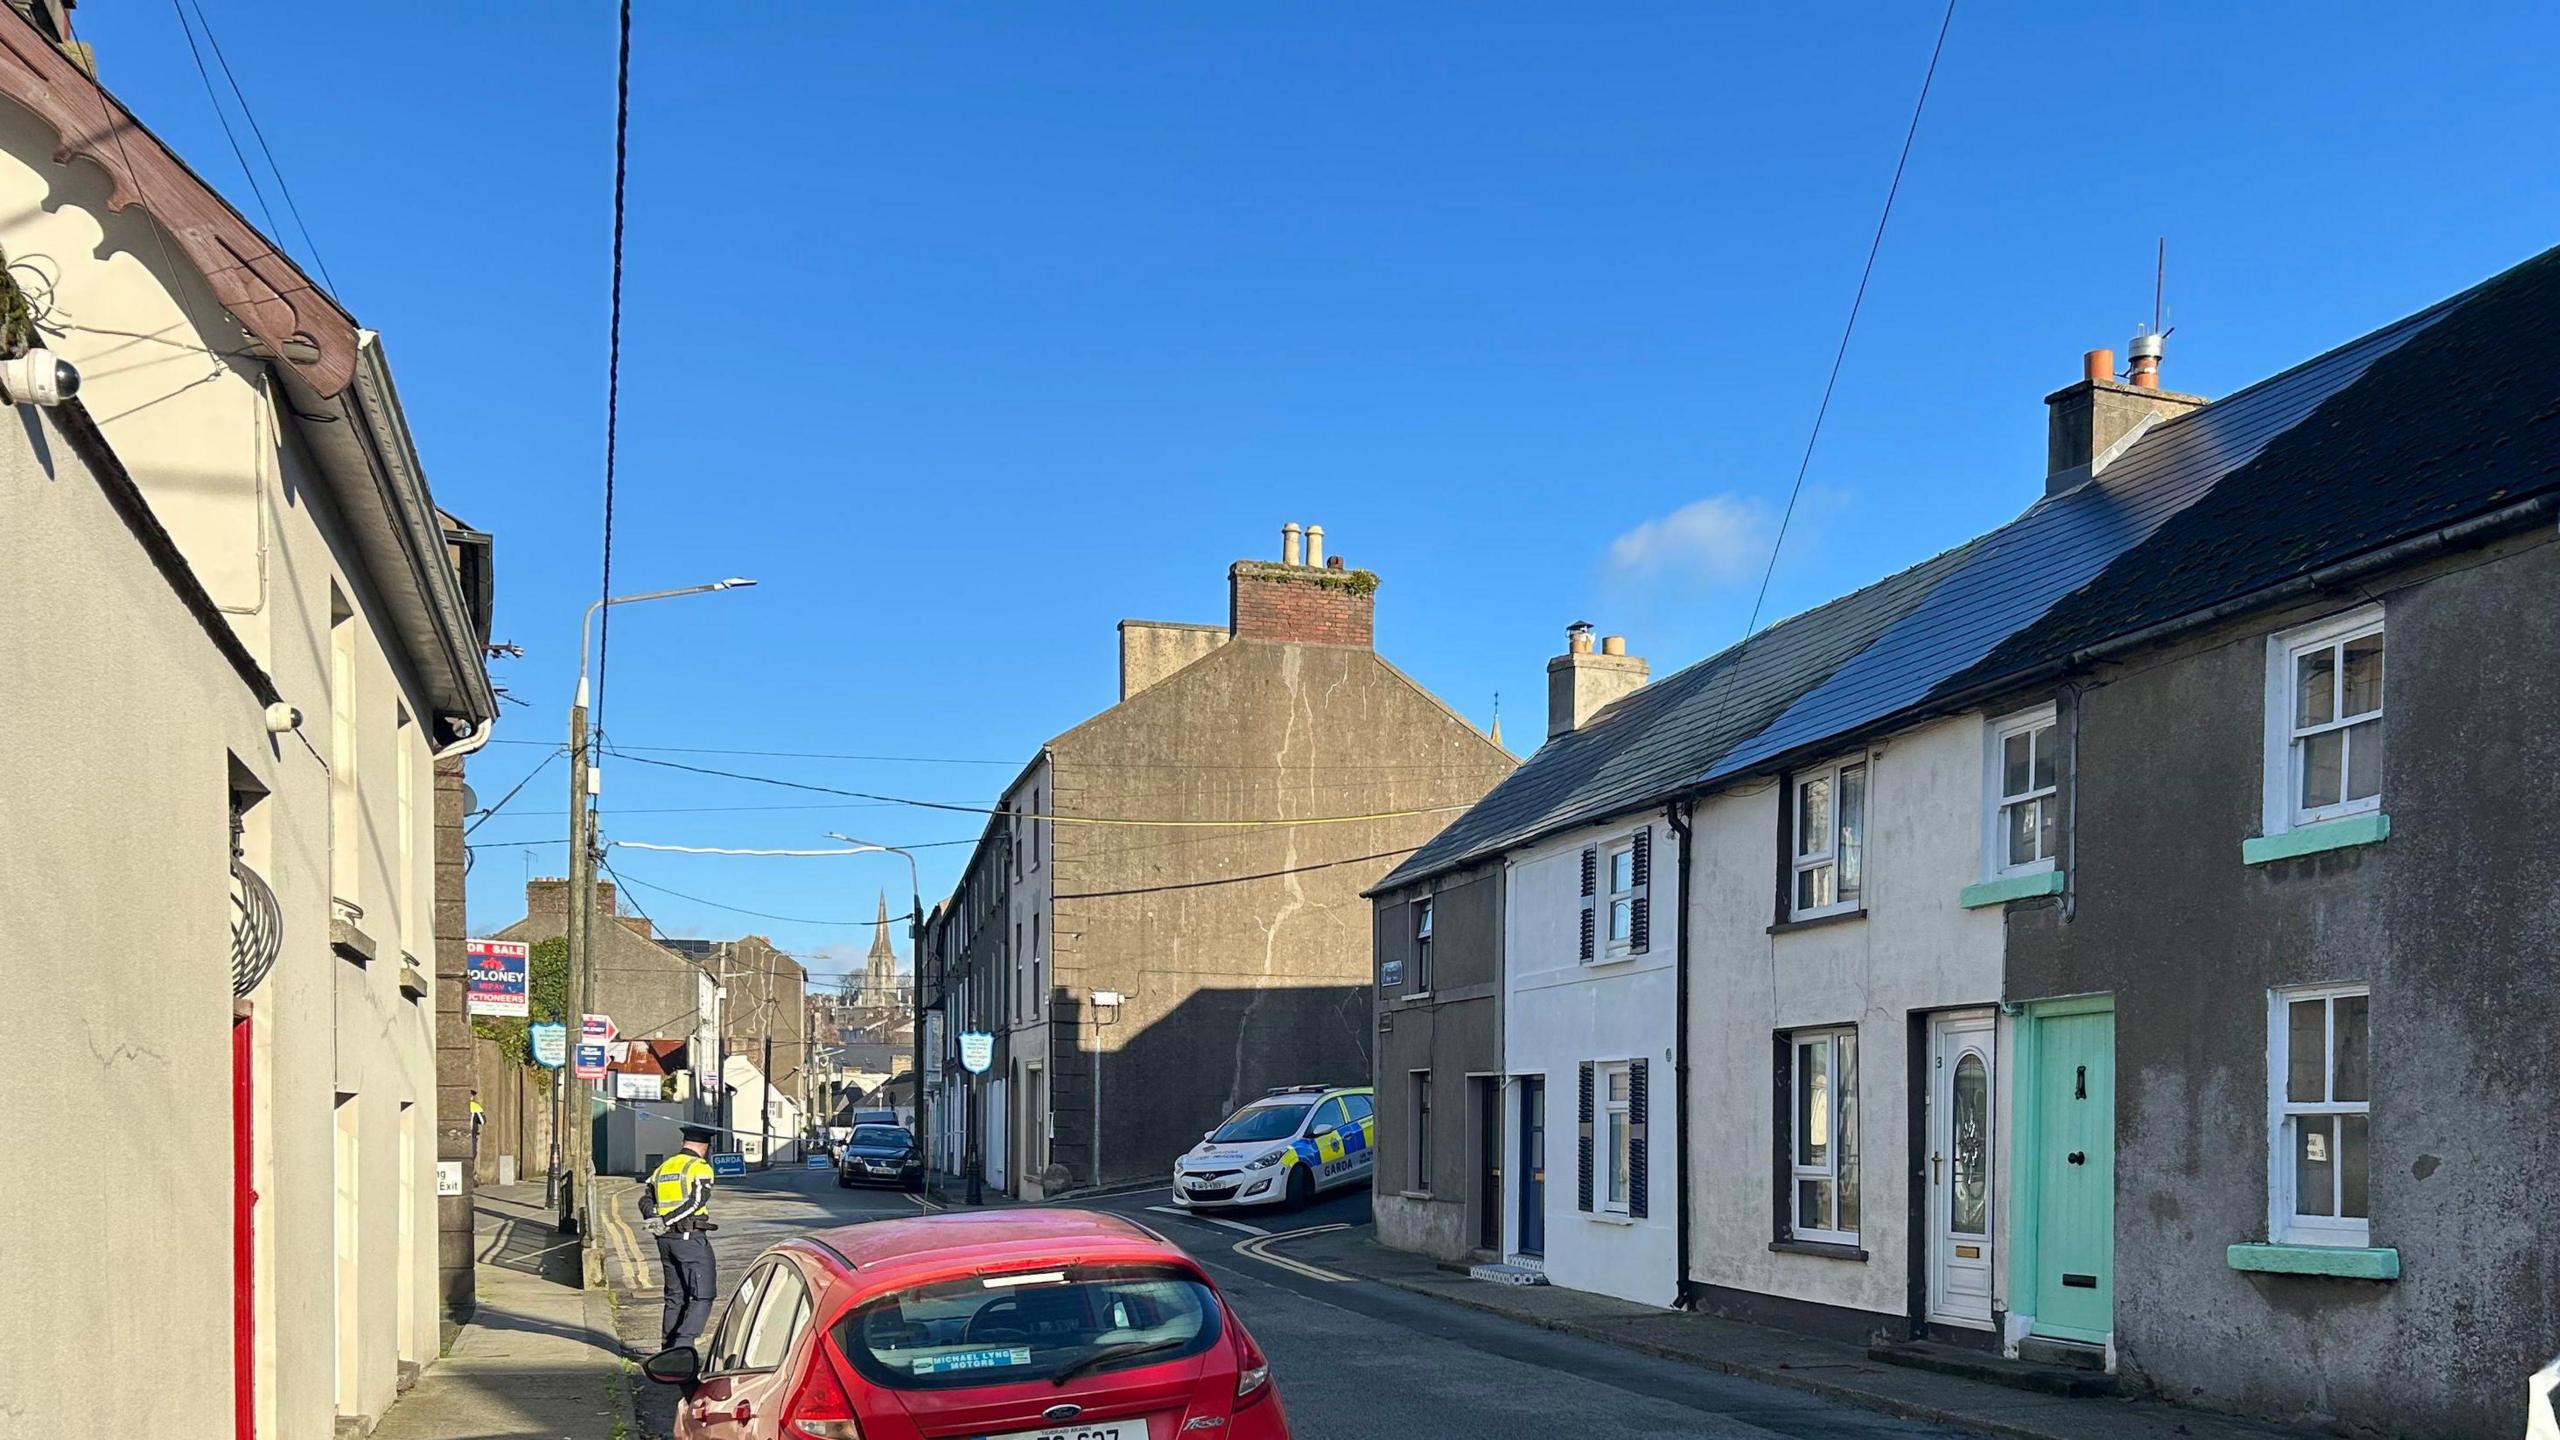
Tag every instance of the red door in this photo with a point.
(244, 1249)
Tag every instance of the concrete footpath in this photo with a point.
(1779, 1357)
(539, 1359)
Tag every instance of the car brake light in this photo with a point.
(821, 1410)
(1253, 1370)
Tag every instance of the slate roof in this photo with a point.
(2462, 420)
(1653, 741)
(2435, 417)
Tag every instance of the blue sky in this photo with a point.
(969, 330)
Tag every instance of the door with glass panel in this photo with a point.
(1960, 1209)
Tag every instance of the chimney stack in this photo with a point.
(2085, 422)
(1309, 599)
(1582, 682)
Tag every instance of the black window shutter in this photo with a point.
(1639, 1150)
(1640, 924)
(1590, 912)
(1582, 1177)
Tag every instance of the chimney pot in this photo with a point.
(1289, 543)
(1333, 562)
(2099, 365)
(1613, 645)
(2146, 360)
(1315, 544)
(1577, 638)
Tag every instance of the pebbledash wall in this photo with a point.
(2449, 921)
(1560, 1013)
(130, 742)
(1914, 949)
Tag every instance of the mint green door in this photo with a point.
(2075, 1156)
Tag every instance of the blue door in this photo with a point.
(1533, 1165)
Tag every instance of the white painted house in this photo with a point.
(1587, 1061)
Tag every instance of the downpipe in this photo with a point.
(1679, 813)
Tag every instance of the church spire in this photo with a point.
(880, 949)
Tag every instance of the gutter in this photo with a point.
(1678, 813)
(360, 442)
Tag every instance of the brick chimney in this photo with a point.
(1316, 601)
(1582, 682)
(2085, 422)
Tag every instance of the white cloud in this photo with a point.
(1715, 541)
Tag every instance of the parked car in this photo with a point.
(1285, 1147)
(1010, 1324)
(880, 1155)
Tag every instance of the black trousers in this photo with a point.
(690, 1278)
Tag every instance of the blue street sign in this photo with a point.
(728, 1162)
(818, 1162)
(550, 1044)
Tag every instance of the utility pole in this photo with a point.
(570, 1136)
(570, 1129)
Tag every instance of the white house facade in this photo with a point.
(1587, 1059)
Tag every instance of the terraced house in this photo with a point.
(2112, 942)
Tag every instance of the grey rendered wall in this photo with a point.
(2452, 920)
(1455, 1032)
(1244, 954)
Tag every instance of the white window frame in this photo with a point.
(1829, 855)
(2284, 1227)
(2282, 785)
(1996, 796)
(1614, 1119)
(1424, 912)
(1611, 945)
(1831, 1168)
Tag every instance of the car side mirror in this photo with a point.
(679, 1366)
(1208, 1134)
(1322, 1130)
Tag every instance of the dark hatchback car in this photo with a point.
(880, 1155)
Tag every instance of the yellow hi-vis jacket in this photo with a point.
(679, 1189)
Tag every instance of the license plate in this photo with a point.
(1108, 1430)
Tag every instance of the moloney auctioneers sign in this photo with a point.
(498, 977)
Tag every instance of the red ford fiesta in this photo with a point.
(1006, 1325)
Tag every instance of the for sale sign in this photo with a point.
(498, 977)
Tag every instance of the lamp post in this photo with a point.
(571, 1138)
(915, 962)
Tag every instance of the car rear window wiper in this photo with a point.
(1109, 1353)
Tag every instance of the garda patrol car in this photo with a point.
(1285, 1146)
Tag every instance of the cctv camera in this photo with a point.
(283, 718)
(38, 377)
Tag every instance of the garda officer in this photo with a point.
(677, 1204)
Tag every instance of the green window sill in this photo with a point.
(2014, 887)
(2355, 830)
(2346, 1262)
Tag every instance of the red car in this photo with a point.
(1005, 1325)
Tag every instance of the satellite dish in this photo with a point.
(470, 800)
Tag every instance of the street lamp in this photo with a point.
(569, 1142)
(915, 962)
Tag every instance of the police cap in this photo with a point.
(705, 1133)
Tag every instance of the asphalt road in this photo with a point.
(1360, 1361)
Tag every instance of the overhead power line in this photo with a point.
(1275, 823)
(486, 815)
(259, 133)
(620, 878)
(613, 354)
(1855, 303)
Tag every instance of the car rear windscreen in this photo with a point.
(1005, 1329)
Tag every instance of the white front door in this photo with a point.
(1961, 1211)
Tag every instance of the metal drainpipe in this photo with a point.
(1678, 813)
(2071, 814)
